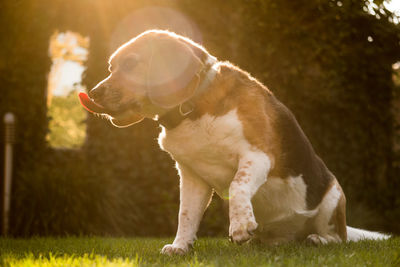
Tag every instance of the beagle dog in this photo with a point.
(228, 134)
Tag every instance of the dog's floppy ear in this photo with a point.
(172, 75)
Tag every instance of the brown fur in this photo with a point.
(234, 88)
(338, 218)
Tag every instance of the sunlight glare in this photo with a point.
(391, 5)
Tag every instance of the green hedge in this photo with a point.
(314, 55)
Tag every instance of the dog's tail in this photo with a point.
(354, 234)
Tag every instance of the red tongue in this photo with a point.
(89, 105)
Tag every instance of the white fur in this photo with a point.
(195, 194)
(211, 146)
(281, 209)
(325, 211)
(252, 171)
(354, 234)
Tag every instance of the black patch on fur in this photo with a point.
(297, 156)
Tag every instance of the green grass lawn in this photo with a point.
(208, 252)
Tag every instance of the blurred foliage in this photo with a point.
(328, 61)
(67, 126)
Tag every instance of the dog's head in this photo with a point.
(150, 74)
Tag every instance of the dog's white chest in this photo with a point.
(210, 146)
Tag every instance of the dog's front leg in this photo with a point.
(252, 172)
(195, 195)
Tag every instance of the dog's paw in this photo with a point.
(240, 232)
(315, 239)
(172, 249)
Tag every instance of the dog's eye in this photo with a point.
(128, 63)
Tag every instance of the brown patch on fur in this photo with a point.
(240, 174)
(338, 218)
(234, 88)
(184, 213)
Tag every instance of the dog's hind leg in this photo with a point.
(330, 221)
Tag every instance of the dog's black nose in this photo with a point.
(97, 92)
